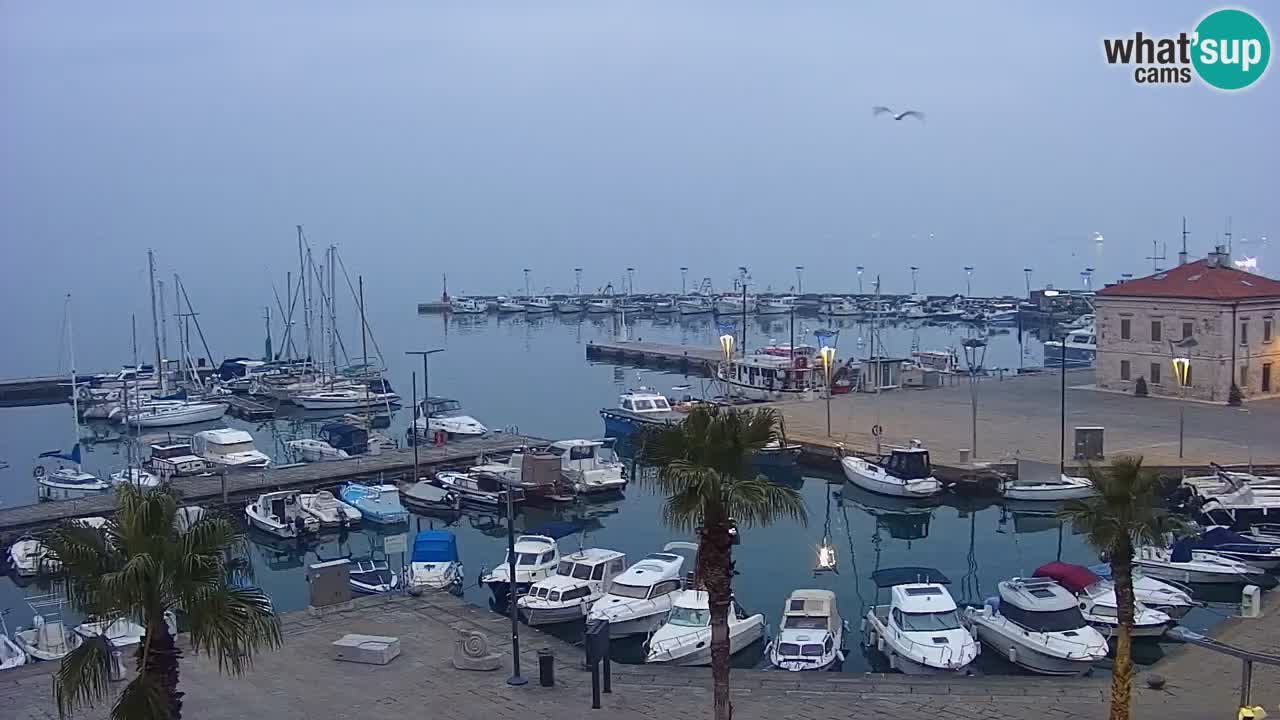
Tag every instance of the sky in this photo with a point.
(475, 139)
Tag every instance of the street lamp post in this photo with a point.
(577, 282)
(975, 356)
(1182, 372)
(684, 280)
(1062, 362)
(516, 678)
(828, 355)
(426, 403)
(726, 344)
(914, 271)
(860, 269)
(799, 279)
(1027, 274)
(968, 280)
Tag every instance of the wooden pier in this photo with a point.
(388, 466)
(687, 359)
(248, 409)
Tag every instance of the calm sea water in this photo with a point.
(532, 374)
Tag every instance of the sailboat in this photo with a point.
(69, 482)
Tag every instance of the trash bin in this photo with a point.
(546, 668)
(116, 670)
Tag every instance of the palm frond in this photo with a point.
(84, 676)
(1125, 511)
(757, 502)
(232, 624)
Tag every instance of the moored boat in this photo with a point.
(904, 472)
(685, 638)
(811, 635)
(1034, 623)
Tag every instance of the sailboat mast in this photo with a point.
(164, 328)
(133, 323)
(155, 323)
(333, 308)
(306, 298)
(75, 393)
(364, 350)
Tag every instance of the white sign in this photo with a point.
(395, 543)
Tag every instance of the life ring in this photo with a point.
(38, 471)
(801, 363)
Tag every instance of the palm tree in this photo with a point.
(1124, 513)
(704, 470)
(152, 559)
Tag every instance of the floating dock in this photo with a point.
(248, 409)
(388, 466)
(687, 359)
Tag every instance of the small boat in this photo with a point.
(1097, 599)
(568, 306)
(11, 656)
(1232, 498)
(313, 450)
(776, 306)
(920, 629)
(25, 555)
(376, 503)
(507, 306)
(776, 454)
(353, 398)
(468, 306)
(1181, 564)
(537, 306)
(536, 557)
(639, 600)
(46, 639)
(434, 564)
(590, 467)
(373, 577)
(840, 307)
(905, 472)
(136, 477)
(665, 306)
(1054, 489)
(694, 305)
(1168, 597)
(579, 581)
(1034, 623)
(122, 632)
(425, 496)
(480, 488)
(636, 409)
(440, 414)
(175, 459)
(685, 638)
(1084, 321)
(1081, 348)
(280, 514)
(230, 449)
(1222, 541)
(328, 510)
(600, 306)
(69, 483)
(170, 413)
(734, 305)
(811, 635)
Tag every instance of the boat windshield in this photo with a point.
(229, 448)
(582, 571)
(927, 622)
(804, 623)
(689, 617)
(526, 558)
(565, 568)
(629, 591)
(1044, 621)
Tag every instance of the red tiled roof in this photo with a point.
(1197, 280)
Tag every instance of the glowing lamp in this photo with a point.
(1181, 369)
(726, 344)
(826, 558)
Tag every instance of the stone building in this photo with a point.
(1221, 319)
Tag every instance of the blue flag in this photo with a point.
(823, 335)
(726, 327)
(73, 456)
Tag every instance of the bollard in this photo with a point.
(546, 668)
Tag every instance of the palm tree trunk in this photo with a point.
(1122, 674)
(158, 657)
(716, 569)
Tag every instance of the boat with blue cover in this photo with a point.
(435, 564)
(376, 503)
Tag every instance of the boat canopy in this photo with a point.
(889, 577)
(1221, 538)
(908, 464)
(438, 546)
(1181, 550)
(1072, 577)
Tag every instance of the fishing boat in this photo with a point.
(1181, 564)
(919, 631)
(1096, 598)
(537, 306)
(137, 477)
(776, 306)
(345, 399)
(175, 459)
(228, 448)
(734, 305)
(811, 635)
(506, 306)
(905, 472)
(425, 496)
(439, 414)
(328, 510)
(314, 450)
(479, 488)
(636, 409)
(47, 638)
(468, 306)
(434, 564)
(1081, 348)
(171, 413)
(590, 467)
(372, 577)
(685, 638)
(377, 503)
(640, 599)
(11, 656)
(1034, 622)
(279, 513)
(839, 307)
(694, 305)
(665, 306)
(67, 482)
(536, 557)
(579, 581)
(569, 306)
(600, 306)
(768, 377)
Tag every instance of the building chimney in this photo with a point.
(1220, 257)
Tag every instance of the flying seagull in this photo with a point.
(880, 110)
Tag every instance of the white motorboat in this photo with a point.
(1049, 486)
(919, 630)
(579, 581)
(175, 459)
(11, 656)
(468, 306)
(776, 306)
(640, 599)
(345, 399)
(734, 305)
(685, 638)
(538, 306)
(445, 415)
(1229, 497)
(227, 448)
(590, 466)
(46, 639)
(1034, 622)
(425, 496)
(313, 450)
(507, 305)
(136, 477)
(665, 306)
(1181, 564)
(839, 307)
(811, 635)
(905, 472)
(122, 632)
(328, 510)
(69, 483)
(1156, 602)
(480, 488)
(170, 413)
(568, 306)
(1080, 346)
(373, 577)
(280, 514)
(600, 306)
(377, 503)
(536, 558)
(25, 555)
(694, 305)
(1171, 598)
(434, 564)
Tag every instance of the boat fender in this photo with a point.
(879, 643)
(893, 661)
(455, 501)
(1013, 654)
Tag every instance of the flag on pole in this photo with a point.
(73, 456)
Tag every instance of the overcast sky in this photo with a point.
(480, 138)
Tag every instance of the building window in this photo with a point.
(1188, 329)
(1124, 369)
(1155, 331)
(1244, 332)
(1266, 330)
(1266, 377)
(1124, 329)
(1155, 373)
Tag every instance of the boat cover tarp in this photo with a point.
(1224, 539)
(1072, 577)
(435, 546)
(889, 577)
(1181, 550)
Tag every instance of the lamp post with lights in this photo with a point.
(828, 355)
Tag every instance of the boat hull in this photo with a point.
(880, 486)
(1047, 493)
(536, 616)
(1202, 577)
(638, 626)
(66, 491)
(1028, 657)
(698, 654)
(182, 417)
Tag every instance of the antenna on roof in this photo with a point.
(1228, 235)
(1182, 256)
(1154, 258)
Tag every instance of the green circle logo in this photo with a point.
(1231, 49)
